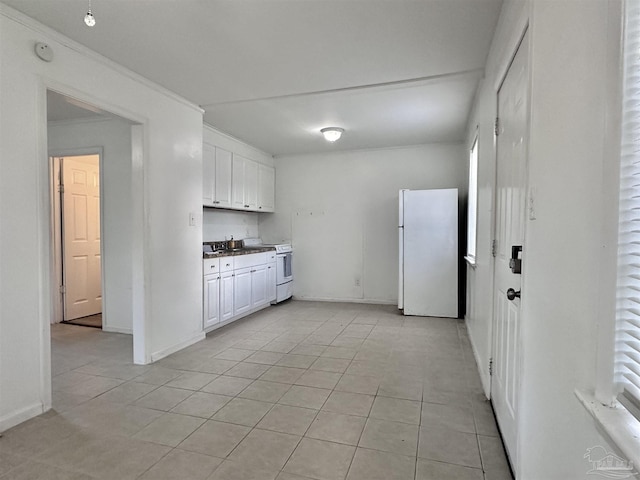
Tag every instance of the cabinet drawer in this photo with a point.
(227, 264)
(211, 265)
(244, 261)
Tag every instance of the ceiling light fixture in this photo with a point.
(331, 134)
(89, 19)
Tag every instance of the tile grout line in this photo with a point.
(310, 424)
(415, 470)
(363, 428)
(284, 327)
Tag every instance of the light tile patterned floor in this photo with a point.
(299, 391)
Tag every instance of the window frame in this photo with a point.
(614, 420)
(626, 361)
(472, 201)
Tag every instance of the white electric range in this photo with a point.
(284, 266)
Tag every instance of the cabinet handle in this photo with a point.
(216, 201)
(260, 207)
(246, 206)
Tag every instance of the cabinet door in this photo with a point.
(226, 296)
(208, 174)
(222, 194)
(211, 301)
(259, 286)
(237, 182)
(250, 184)
(266, 188)
(271, 282)
(241, 291)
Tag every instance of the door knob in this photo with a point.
(512, 294)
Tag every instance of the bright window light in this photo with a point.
(472, 212)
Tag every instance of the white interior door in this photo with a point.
(81, 236)
(510, 218)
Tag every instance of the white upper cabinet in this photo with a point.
(266, 188)
(236, 176)
(237, 182)
(244, 183)
(208, 174)
(250, 184)
(222, 196)
(216, 177)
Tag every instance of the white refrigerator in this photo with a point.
(428, 243)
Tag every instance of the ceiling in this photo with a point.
(273, 72)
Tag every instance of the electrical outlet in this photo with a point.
(357, 281)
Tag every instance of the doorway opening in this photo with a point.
(93, 201)
(77, 227)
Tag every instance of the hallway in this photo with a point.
(302, 390)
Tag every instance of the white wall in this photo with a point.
(561, 271)
(167, 187)
(340, 210)
(114, 137)
(218, 224)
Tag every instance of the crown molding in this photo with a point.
(37, 27)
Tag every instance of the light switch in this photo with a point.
(192, 219)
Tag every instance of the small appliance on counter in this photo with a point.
(212, 249)
(235, 244)
(284, 266)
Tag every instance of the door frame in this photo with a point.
(139, 267)
(518, 38)
(57, 231)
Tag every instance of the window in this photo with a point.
(472, 209)
(627, 359)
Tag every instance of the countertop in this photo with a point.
(233, 253)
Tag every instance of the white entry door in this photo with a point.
(512, 142)
(81, 236)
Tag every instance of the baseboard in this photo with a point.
(484, 375)
(346, 300)
(178, 346)
(22, 415)
(127, 331)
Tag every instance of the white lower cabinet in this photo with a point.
(259, 286)
(241, 291)
(236, 286)
(226, 296)
(271, 282)
(211, 305)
